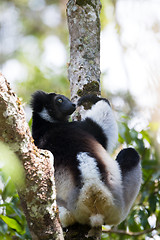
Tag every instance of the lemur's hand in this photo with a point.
(92, 98)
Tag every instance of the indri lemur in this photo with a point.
(92, 188)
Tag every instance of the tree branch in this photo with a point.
(123, 232)
(38, 198)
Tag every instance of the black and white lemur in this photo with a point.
(92, 188)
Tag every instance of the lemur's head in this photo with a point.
(51, 106)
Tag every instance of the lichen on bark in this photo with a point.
(89, 88)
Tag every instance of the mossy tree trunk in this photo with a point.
(38, 197)
(84, 71)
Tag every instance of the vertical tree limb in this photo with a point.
(38, 197)
(84, 31)
(84, 71)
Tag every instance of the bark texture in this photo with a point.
(84, 72)
(84, 31)
(38, 197)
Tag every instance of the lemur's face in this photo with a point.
(60, 107)
(51, 106)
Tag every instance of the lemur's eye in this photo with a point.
(59, 100)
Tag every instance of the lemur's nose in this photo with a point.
(74, 105)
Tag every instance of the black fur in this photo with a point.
(92, 98)
(93, 129)
(127, 159)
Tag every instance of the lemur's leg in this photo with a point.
(100, 121)
(129, 162)
(66, 217)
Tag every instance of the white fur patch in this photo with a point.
(66, 217)
(88, 167)
(103, 115)
(97, 220)
(45, 115)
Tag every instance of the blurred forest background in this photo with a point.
(34, 52)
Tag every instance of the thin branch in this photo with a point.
(123, 232)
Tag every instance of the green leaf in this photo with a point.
(152, 202)
(9, 190)
(30, 123)
(120, 139)
(146, 136)
(144, 218)
(12, 223)
(3, 227)
(133, 134)
(133, 225)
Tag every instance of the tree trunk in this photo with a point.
(84, 32)
(38, 197)
(84, 72)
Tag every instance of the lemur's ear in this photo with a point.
(39, 100)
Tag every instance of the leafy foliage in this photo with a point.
(13, 224)
(12, 219)
(145, 215)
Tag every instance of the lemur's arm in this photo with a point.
(100, 121)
